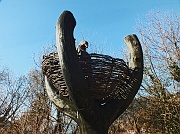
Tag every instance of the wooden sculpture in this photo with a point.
(94, 89)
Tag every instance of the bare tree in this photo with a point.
(41, 116)
(156, 107)
(160, 37)
(37, 117)
(13, 98)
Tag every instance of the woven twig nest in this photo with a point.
(106, 77)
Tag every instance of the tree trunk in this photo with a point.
(85, 128)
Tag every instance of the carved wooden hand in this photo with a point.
(96, 118)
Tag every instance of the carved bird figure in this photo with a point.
(82, 47)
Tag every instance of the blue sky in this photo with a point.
(28, 26)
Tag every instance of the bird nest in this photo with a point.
(106, 77)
